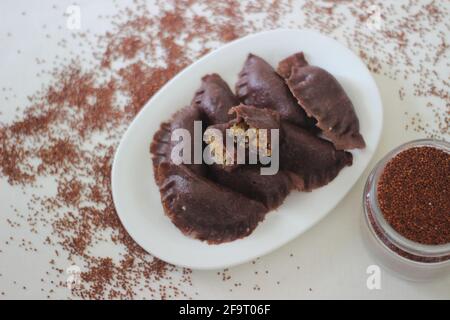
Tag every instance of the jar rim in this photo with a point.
(405, 244)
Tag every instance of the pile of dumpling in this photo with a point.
(316, 122)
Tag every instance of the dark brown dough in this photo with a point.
(161, 146)
(312, 162)
(252, 117)
(226, 158)
(221, 203)
(215, 99)
(271, 190)
(205, 210)
(323, 98)
(260, 86)
(258, 118)
(285, 66)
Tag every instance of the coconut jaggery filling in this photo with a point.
(243, 136)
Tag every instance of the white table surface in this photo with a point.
(329, 261)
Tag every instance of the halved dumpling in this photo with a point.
(205, 210)
(271, 190)
(253, 117)
(247, 179)
(247, 119)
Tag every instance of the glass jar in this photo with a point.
(409, 259)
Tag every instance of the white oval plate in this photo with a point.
(137, 197)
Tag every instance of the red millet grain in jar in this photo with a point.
(414, 194)
(53, 138)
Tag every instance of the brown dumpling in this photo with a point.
(215, 99)
(312, 162)
(247, 179)
(246, 117)
(250, 117)
(285, 66)
(324, 99)
(161, 146)
(259, 118)
(271, 190)
(205, 210)
(260, 86)
(221, 157)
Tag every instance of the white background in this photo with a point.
(329, 261)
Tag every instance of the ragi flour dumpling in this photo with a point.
(271, 190)
(223, 202)
(253, 117)
(245, 118)
(203, 209)
(215, 99)
(247, 179)
(198, 206)
(161, 146)
(285, 66)
(311, 162)
(260, 86)
(324, 99)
